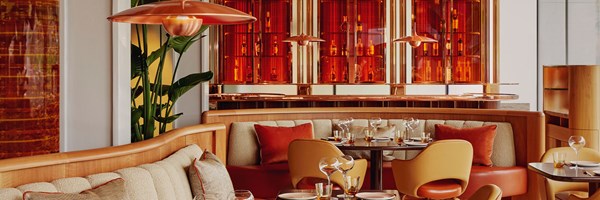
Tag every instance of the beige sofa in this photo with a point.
(518, 141)
(154, 169)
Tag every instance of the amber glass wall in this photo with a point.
(457, 56)
(354, 47)
(254, 53)
(29, 77)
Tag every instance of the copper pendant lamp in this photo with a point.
(414, 40)
(302, 39)
(182, 17)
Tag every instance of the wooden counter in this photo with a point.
(252, 100)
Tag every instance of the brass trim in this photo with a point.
(402, 46)
(393, 58)
(496, 67)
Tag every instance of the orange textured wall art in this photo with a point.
(29, 77)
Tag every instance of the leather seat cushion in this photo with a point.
(566, 194)
(442, 189)
(309, 183)
(265, 181)
(512, 180)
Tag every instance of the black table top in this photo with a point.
(362, 144)
(566, 173)
(336, 192)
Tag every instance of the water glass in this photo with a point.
(559, 159)
(323, 190)
(351, 186)
(350, 138)
(369, 134)
(425, 137)
(399, 136)
(336, 136)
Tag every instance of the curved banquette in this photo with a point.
(518, 140)
(152, 169)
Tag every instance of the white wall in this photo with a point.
(518, 49)
(87, 64)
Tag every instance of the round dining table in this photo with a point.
(376, 148)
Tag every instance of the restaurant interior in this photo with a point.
(299, 99)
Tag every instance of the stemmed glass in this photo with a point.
(411, 125)
(346, 164)
(576, 142)
(329, 165)
(375, 122)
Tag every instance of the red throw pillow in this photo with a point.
(274, 141)
(481, 138)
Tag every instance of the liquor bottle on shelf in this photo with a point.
(371, 74)
(371, 50)
(344, 50)
(345, 73)
(460, 45)
(332, 48)
(257, 47)
(359, 47)
(425, 49)
(333, 75)
(454, 20)
(436, 46)
(468, 71)
(344, 25)
(268, 22)
(448, 72)
(273, 73)
(236, 70)
(448, 45)
(427, 70)
(439, 71)
(275, 46)
(359, 25)
(243, 49)
(249, 74)
(250, 24)
(458, 72)
(258, 76)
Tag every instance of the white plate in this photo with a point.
(381, 138)
(416, 143)
(375, 195)
(335, 143)
(297, 195)
(415, 138)
(586, 163)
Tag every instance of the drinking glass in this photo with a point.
(411, 125)
(329, 165)
(351, 186)
(349, 138)
(369, 134)
(337, 136)
(425, 137)
(346, 164)
(576, 142)
(399, 136)
(323, 191)
(241, 195)
(559, 159)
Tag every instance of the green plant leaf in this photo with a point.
(164, 91)
(137, 91)
(137, 59)
(156, 54)
(168, 119)
(136, 114)
(181, 43)
(186, 83)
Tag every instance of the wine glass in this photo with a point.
(329, 165)
(241, 195)
(375, 122)
(576, 142)
(346, 164)
(411, 125)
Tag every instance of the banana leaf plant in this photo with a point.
(154, 111)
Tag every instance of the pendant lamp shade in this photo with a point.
(415, 40)
(182, 17)
(303, 39)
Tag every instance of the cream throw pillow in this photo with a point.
(209, 178)
(111, 190)
(384, 131)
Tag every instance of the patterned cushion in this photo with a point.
(112, 190)
(209, 178)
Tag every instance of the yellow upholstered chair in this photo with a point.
(553, 187)
(487, 192)
(440, 171)
(596, 196)
(304, 156)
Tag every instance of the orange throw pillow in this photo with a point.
(481, 138)
(274, 141)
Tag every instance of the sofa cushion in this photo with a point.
(209, 178)
(112, 190)
(512, 180)
(481, 138)
(265, 181)
(274, 141)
